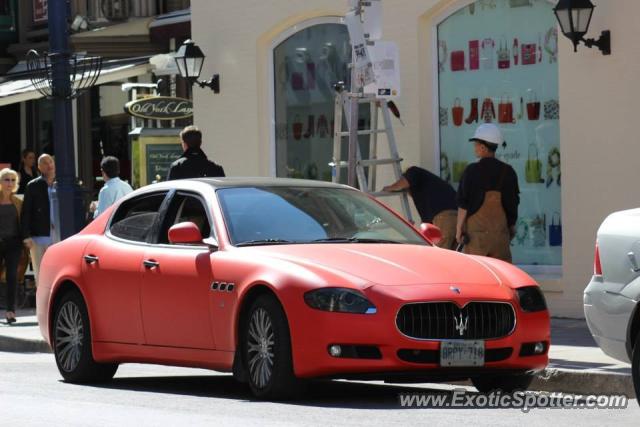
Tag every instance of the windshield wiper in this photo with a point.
(353, 240)
(265, 242)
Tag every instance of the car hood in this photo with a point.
(388, 264)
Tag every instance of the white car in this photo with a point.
(611, 300)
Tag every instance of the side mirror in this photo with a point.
(431, 233)
(185, 232)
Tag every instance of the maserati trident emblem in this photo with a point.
(462, 323)
(454, 289)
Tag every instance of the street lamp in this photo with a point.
(574, 17)
(189, 60)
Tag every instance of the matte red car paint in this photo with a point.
(172, 315)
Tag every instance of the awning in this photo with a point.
(22, 89)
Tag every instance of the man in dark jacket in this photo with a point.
(38, 218)
(193, 163)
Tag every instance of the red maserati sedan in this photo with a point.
(278, 281)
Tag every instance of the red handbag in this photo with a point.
(457, 112)
(296, 128)
(505, 111)
(504, 57)
(488, 110)
(533, 108)
(311, 75)
(474, 55)
(297, 81)
(529, 52)
(457, 60)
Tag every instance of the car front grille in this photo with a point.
(445, 320)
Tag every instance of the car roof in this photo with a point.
(236, 182)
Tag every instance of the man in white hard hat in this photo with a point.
(488, 199)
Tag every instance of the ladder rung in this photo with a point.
(372, 162)
(364, 132)
(365, 163)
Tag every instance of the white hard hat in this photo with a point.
(489, 133)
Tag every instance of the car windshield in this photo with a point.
(294, 215)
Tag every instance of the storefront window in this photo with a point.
(498, 62)
(306, 66)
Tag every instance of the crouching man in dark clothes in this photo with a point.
(434, 198)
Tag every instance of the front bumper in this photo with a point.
(313, 332)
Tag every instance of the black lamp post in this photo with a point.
(190, 59)
(574, 17)
(61, 75)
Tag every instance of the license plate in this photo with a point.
(462, 353)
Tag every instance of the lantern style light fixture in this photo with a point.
(574, 17)
(189, 60)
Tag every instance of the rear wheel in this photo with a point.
(635, 367)
(72, 343)
(504, 383)
(267, 350)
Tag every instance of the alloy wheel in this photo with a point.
(69, 334)
(260, 347)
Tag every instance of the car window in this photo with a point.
(134, 218)
(185, 208)
(309, 215)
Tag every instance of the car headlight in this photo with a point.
(341, 300)
(531, 299)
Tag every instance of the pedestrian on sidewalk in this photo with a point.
(39, 222)
(193, 163)
(11, 245)
(114, 188)
(488, 199)
(28, 169)
(434, 198)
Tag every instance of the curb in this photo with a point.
(583, 382)
(20, 345)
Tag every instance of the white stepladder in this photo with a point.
(347, 105)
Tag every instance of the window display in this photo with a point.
(306, 66)
(492, 68)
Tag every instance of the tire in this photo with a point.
(504, 383)
(635, 367)
(71, 342)
(266, 351)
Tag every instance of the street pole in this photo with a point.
(63, 121)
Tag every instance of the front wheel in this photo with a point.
(267, 350)
(72, 343)
(504, 383)
(635, 367)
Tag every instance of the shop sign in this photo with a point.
(160, 108)
(40, 11)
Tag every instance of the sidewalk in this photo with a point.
(576, 365)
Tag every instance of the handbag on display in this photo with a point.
(488, 113)
(552, 110)
(505, 111)
(529, 52)
(533, 167)
(474, 54)
(297, 81)
(457, 112)
(323, 126)
(445, 173)
(444, 117)
(311, 75)
(555, 230)
(533, 108)
(538, 231)
(297, 127)
(487, 54)
(457, 60)
(458, 169)
(504, 56)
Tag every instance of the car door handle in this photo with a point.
(90, 259)
(634, 262)
(149, 263)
